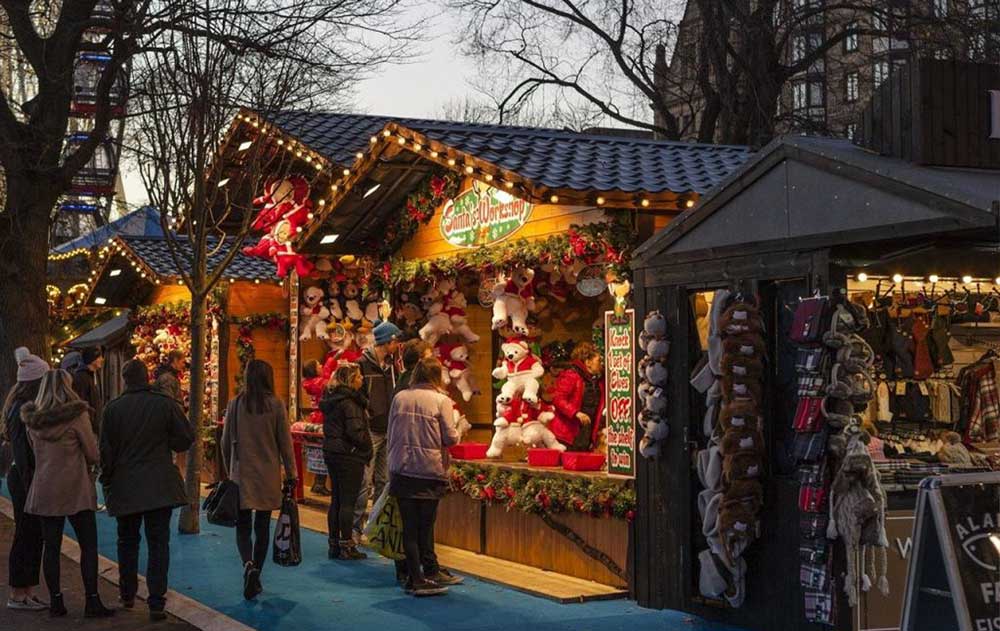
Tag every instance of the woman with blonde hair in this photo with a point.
(421, 428)
(347, 448)
(65, 448)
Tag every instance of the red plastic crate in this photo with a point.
(469, 451)
(543, 457)
(582, 461)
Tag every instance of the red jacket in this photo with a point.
(567, 397)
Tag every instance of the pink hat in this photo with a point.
(29, 367)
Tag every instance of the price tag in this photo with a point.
(900, 388)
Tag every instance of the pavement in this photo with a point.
(124, 620)
(206, 591)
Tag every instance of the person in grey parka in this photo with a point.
(256, 443)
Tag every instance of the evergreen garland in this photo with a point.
(436, 188)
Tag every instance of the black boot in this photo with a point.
(56, 607)
(333, 549)
(96, 609)
(350, 552)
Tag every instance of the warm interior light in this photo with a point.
(223, 182)
(328, 239)
(115, 272)
(862, 277)
(966, 279)
(897, 278)
(600, 201)
(554, 199)
(372, 190)
(246, 144)
(99, 301)
(933, 278)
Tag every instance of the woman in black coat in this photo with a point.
(347, 448)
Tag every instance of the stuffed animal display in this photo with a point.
(314, 314)
(514, 297)
(652, 381)
(521, 422)
(285, 209)
(455, 359)
(521, 371)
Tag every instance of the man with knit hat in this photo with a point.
(86, 385)
(25, 559)
(379, 370)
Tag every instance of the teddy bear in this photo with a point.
(521, 370)
(333, 300)
(534, 426)
(438, 322)
(350, 304)
(342, 346)
(506, 426)
(462, 424)
(654, 372)
(314, 314)
(655, 430)
(454, 305)
(455, 359)
(513, 299)
(372, 302)
(654, 327)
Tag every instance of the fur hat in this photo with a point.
(736, 365)
(744, 439)
(748, 344)
(740, 317)
(739, 415)
(742, 389)
(742, 465)
(738, 526)
(748, 492)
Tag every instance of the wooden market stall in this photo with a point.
(821, 226)
(443, 220)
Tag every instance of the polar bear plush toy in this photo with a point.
(438, 322)
(314, 314)
(455, 359)
(521, 370)
(534, 427)
(454, 305)
(506, 427)
(513, 299)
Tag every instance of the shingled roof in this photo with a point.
(155, 253)
(553, 158)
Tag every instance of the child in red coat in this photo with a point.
(315, 376)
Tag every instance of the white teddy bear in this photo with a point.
(513, 299)
(521, 370)
(507, 427)
(455, 359)
(454, 305)
(314, 314)
(534, 429)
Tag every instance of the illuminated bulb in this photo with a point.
(256, 281)
(862, 277)
(469, 170)
(933, 278)
(417, 146)
(232, 280)
(645, 203)
(600, 201)
(334, 188)
(309, 158)
(280, 142)
(298, 154)
(374, 139)
(318, 167)
(401, 140)
(489, 178)
(310, 216)
(359, 155)
(554, 199)
(451, 162)
(386, 133)
(966, 279)
(322, 202)
(509, 184)
(897, 278)
(347, 172)
(997, 280)
(434, 154)
(689, 203)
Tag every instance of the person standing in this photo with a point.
(347, 449)
(256, 442)
(25, 560)
(62, 488)
(413, 351)
(578, 398)
(315, 378)
(379, 374)
(167, 377)
(87, 387)
(421, 428)
(142, 485)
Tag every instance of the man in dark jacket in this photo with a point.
(167, 378)
(86, 386)
(141, 483)
(379, 373)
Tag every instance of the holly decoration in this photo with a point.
(433, 191)
(536, 494)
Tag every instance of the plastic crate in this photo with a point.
(468, 451)
(582, 461)
(543, 457)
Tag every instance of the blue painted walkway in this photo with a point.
(323, 594)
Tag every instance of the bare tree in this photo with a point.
(189, 87)
(315, 38)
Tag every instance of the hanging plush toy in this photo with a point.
(438, 322)
(454, 305)
(652, 379)
(455, 359)
(285, 257)
(372, 302)
(535, 430)
(513, 299)
(506, 426)
(350, 304)
(521, 370)
(343, 347)
(314, 314)
(333, 300)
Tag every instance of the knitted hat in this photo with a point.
(29, 367)
(71, 362)
(91, 354)
(385, 332)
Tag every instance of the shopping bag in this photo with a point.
(222, 506)
(385, 535)
(287, 536)
(376, 509)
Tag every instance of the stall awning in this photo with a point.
(802, 192)
(144, 222)
(106, 334)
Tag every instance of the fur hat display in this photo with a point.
(739, 415)
(743, 440)
(653, 377)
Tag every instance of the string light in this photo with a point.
(434, 154)
(862, 277)
(966, 279)
(600, 201)
(347, 172)
(644, 203)
(401, 140)
(359, 155)
(386, 133)
(897, 278)
(689, 203)
(554, 199)
(469, 170)
(451, 162)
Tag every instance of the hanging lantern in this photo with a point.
(87, 73)
(97, 177)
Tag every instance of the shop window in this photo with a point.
(851, 40)
(799, 94)
(881, 72)
(851, 86)
(798, 48)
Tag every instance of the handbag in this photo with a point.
(807, 324)
(222, 506)
(287, 536)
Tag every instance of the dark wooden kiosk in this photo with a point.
(804, 215)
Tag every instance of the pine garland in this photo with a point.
(435, 189)
(543, 494)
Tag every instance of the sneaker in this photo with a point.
(426, 588)
(156, 615)
(101, 508)
(444, 577)
(28, 604)
(350, 552)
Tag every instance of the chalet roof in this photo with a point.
(155, 253)
(556, 159)
(811, 190)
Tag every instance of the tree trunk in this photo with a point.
(24, 240)
(190, 521)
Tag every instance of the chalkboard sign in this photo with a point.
(954, 578)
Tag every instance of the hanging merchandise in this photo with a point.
(285, 209)
(652, 381)
(513, 299)
(314, 314)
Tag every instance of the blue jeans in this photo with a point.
(376, 477)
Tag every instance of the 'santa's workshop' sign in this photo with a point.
(482, 215)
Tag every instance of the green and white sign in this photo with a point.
(482, 215)
(619, 381)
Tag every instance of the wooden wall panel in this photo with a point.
(245, 299)
(163, 294)
(459, 520)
